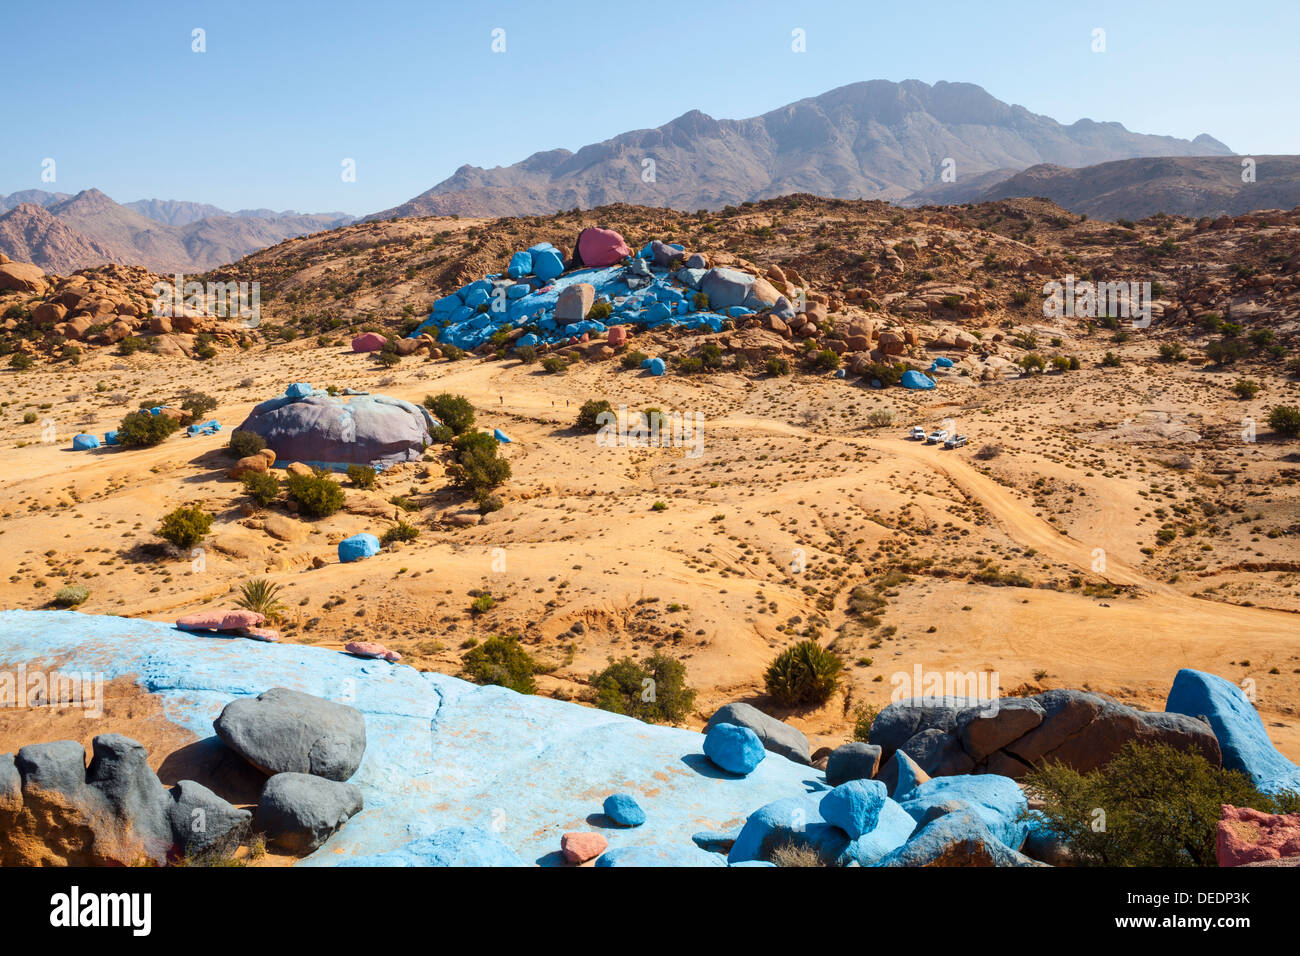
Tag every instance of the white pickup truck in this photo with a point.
(917, 433)
(937, 437)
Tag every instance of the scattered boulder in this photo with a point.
(960, 838)
(1251, 836)
(582, 845)
(601, 247)
(357, 547)
(996, 800)
(285, 730)
(574, 302)
(901, 775)
(252, 464)
(776, 736)
(623, 810)
(368, 342)
(852, 761)
(734, 749)
(1237, 727)
(21, 277)
(299, 811)
(855, 806)
(371, 649)
(203, 824)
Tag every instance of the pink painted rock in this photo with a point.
(1251, 836)
(270, 635)
(234, 620)
(371, 649)
(202, 621)
(368, 342)
(617, 336)
(581, 846)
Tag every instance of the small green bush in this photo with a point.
(526, 354)
(591, 410)
(777, 366)
(555, 364)
(600, 311)
(1285, 420)
(362, 476)
(633, 360)
(263, 487)
(243, 444)
(653, 690)
(186, 526)
(454, 411)
(803, 675)
(500, 660)
(143, 430)
(70, 595)
(317, 495)
(399, 532)
(261, 597)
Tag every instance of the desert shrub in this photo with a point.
(701, 301)
(263, 487)
(864, 715)
(988, 452)
(20, 361)
(1032, 363)
(600, 311)
(555, 364)
(70, 595)
(500, 660)
(526, 354)
(29, 418)
(1225, 351)
(1172, 352)
(589, 413)
(884, 372)
(803, 674)
(880, 417)
(185, 527)
(1162, 806)
(826, 360)
(633, 360)
(454, 411)
(400, 532)
(244, 443)
(477, 469)
(795, 854)
(1285, 420)
(653, 690)
(777, 366)
(1245, 388)
(143, 430)
(261, 597)
(1110, 360)
(362, 476)
(710, 355)
(196, 405)
(317, 495)
(388, 356)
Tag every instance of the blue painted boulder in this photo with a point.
(548, 264)
(734, 749)
(298, 390)
(85, 442)
(521, 264)
(450, 846)
(998, 801)
(357, 547)
(955, 839)
(1242, 738)
(110, 437)
(623, 809)
(917, 380)
(501, 436)
(855, 806)
(656, 366)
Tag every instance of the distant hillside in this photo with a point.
(1135, 188)
(874, 140)
(59, 232)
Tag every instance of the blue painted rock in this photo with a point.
(657, 366)
(501, 436)
(85, 442)
(548, 264)
(659, 855)
(623, 809)
(298, 812)
(298, 390)
(777, 736)
(521, 264)
(110, 437)
(855, 806)
(726, 287)
(357, 547)
(450, 846)
(734, 749)
(1243, 741)
(955, 839)
(285, 730)
(795, 821)
(900, 775)
(996, 800)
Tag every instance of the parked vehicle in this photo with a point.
(956, 441)
(938, 437)
(917, 433)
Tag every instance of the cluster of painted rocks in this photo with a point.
(56, 810)
(236, 623)
(1009, 736)
(308, 746)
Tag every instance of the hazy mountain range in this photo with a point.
(60, 233)
(871, 140)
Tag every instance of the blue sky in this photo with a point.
(287, 90)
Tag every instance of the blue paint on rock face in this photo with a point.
(440, 752)
(995, 799)
(358, 547)
(1238, 727)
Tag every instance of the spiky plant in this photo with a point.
(803, 674)
(262, 597)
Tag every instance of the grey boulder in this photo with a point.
(299, 812)
(287, 731)
(777, 736)
(853, 761)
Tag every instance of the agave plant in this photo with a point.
(263, 597)
(803, 674)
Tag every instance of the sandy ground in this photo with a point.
(793, 502)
